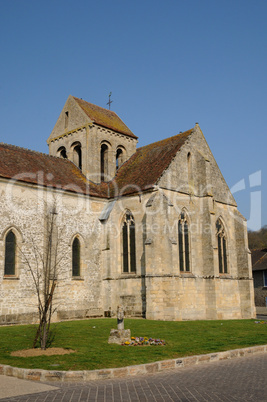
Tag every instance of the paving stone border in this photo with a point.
(142, 369)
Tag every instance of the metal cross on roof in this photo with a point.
(109, 101)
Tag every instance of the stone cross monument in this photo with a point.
(120, 317)
(120, 335)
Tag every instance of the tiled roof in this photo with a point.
(146, 166)
(259, 259)
(33, 167)
(141, 172)
(104, 117)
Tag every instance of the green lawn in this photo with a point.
(90, 340)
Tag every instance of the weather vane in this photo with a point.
(109, 101)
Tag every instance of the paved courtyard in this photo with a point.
(239, 379)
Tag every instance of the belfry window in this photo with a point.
(77, 155)
(61, 152)
(104, 162)
(10, 254)
(119, 158)
(184, 244)
(76, 257)
(222, 247)
(128, 243)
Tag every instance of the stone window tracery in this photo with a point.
(184, 243)
(222, 247)
(128, 243)
(76, 257)
(10, 254)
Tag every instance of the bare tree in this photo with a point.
(44, 269)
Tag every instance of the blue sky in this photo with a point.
(168, 64)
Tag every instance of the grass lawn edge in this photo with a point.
(128, 371)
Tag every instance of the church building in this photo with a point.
(154, 229)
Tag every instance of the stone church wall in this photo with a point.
(158, 290)
(23, 210)
(125, 289)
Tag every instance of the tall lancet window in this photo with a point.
(10, 254)
(222, 247)
(76, 257)
(184, 243)
(128, 243)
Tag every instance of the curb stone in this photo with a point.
(129, 371)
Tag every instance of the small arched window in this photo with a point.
(119, 158)
(77, 154)
(62, 153)
(76, 257)
(66, 119)
(10, 254)
(222, 247)
(128, 243)
(104, 162)
(184, 243)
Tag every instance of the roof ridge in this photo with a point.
(165, 139)
(90, 103)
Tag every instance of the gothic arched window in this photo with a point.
(184, 243)
(10, 254)
(76, 257)
(128, 243)
(222, 247)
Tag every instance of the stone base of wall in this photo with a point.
(261, 310)
(26, 318)
(32, 318)
(79, 314)
(198, 298)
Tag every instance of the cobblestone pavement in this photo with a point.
(239, 379)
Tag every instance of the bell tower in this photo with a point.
(93, 138)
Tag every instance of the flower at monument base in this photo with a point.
(140, 341)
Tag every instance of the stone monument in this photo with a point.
(120, 335)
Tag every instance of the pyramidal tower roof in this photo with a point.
(104, 117)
